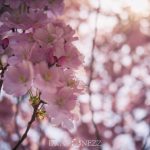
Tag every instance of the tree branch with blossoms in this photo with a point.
(38, 59)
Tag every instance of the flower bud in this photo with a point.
(40, 114)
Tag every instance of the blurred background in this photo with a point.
(114, 38)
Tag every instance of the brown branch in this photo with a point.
(15, 120)
(28, 126)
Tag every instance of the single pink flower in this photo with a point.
(46, 79)
(72, 57)
(69, 80)
(21, 51)
(39, 54)
(48, 35)
(18, 78)
(60, 106)
(68, 32)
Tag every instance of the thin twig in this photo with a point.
(28, 126)
(15, 120)
(92, 72)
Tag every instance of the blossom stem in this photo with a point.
(28, 126)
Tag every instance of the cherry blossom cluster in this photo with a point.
(40, 58)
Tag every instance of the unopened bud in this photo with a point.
(34, 100)
(40, 114)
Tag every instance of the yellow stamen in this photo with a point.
(71, 83)
(47, 76)
(50, 39)
(34, 100)
(22, 79)
(60, 102)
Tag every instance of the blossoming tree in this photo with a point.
(38, 61)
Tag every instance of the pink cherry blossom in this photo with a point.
(60, 106)
(68, 79)
(72, 57)
(46, 79)
(37, 19)
(48, 35)
(18, 78)
(40, 56)
(22, 50)
(68, 32)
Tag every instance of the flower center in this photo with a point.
(49, 39)
(60, 101)
(22, 79)
(47, 76)
(71, 83)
